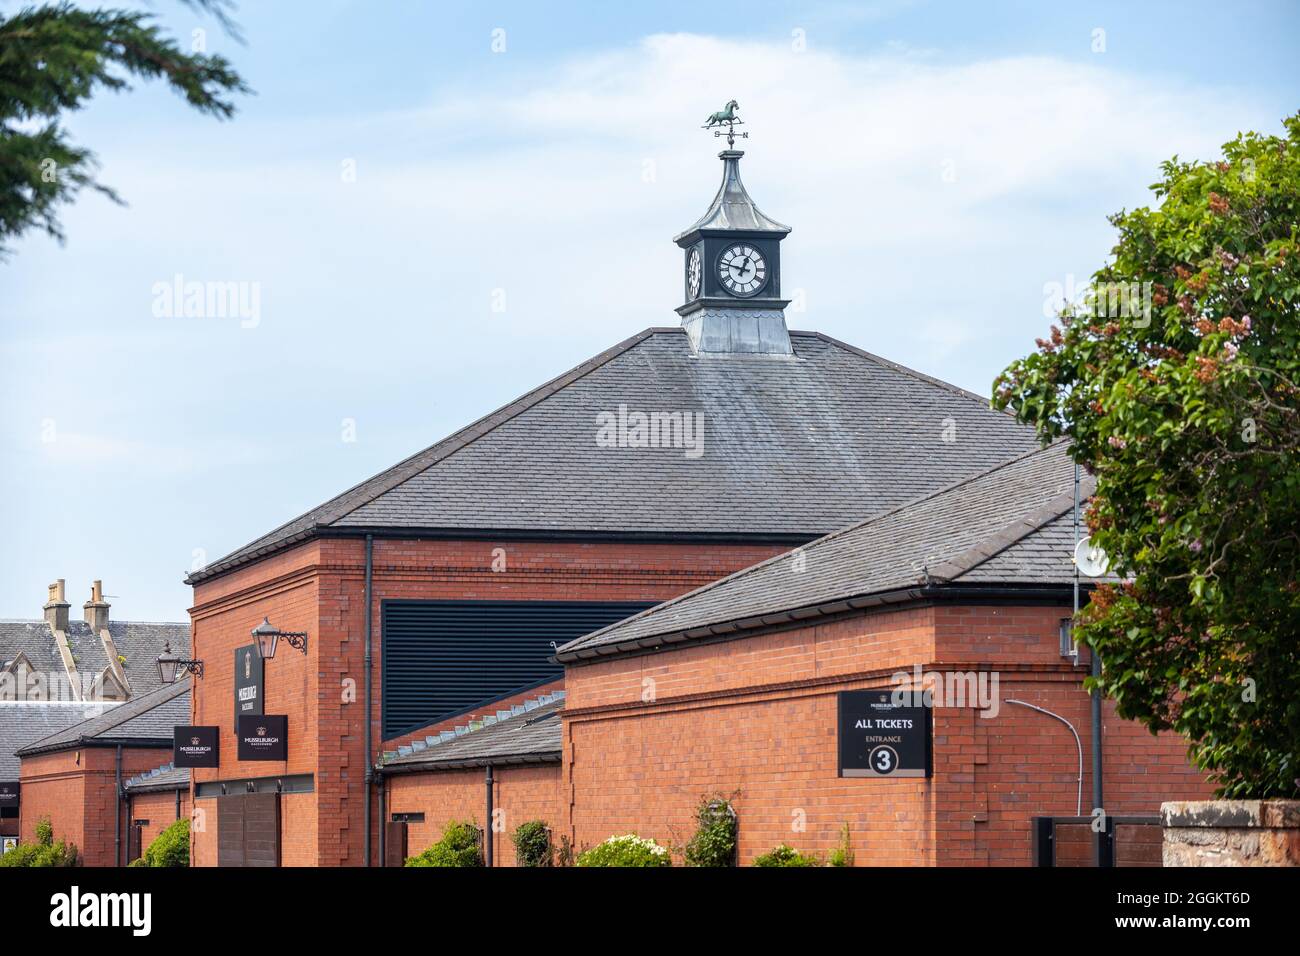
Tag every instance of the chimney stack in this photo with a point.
(56, 608)
(96, 609)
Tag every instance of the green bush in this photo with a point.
(785, 856)
(628, 850)
(459, 846)
(714, 842)
(169, 848)
(532, 844)
(44, 852)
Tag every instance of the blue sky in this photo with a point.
(394, 177)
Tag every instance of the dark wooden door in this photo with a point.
(248, 829)
(395, 844)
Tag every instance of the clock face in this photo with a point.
(742, 270)
(694, 272)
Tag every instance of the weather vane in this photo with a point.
(726, 117)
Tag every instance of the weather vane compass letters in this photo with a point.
(726, 117)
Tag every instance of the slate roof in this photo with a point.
(146, 719)
(794, 447)
(528, 733)
(1011, 525)
(165, 777)
(139, 643)
(22, 722)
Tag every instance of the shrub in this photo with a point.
(785, 856)
(460, 846)
(532, 844)
(44, 852)
(842, 855)
(714, 842)
(169, 848)
(627, 850)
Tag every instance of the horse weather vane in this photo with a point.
(726, 117)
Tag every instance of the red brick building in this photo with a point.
(438, 590)
(75, 777)
(735, 689)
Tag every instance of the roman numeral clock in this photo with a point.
(733, 264)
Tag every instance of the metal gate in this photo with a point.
(248, 829)
(1071, 841)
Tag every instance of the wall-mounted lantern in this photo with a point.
(170, 666)
(266, 635)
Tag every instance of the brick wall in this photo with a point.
(519, 794)
(76, 789)
(645, 738)
(319, 587)
(285, 588)
(159, 808)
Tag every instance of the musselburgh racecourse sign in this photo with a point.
(76, 909)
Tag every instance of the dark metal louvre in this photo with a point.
(441, 658)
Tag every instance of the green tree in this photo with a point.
(1177, 382)
(53, 58)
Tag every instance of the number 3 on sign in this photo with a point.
(884, 759)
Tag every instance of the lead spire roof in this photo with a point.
(732, 208)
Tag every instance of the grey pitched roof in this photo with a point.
(138, 642)
(732, 208)
(794, 447)
(141, 643)
(33, 639)
(1010, 525)
(22, 722)
(144, 720)
(165, 777)
(528, 733)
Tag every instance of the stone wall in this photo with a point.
(1232, 833)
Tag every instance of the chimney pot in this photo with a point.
(96, 609)
(56, 608)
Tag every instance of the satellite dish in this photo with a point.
(1090, 559)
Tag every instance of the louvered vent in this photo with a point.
(442, 658)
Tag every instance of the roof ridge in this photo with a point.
(839, 532)
(424, 459)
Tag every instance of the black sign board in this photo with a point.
(9, 790)
(248, 682)
(879, 738)
(263, 737)
(195, 746)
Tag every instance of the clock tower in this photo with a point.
(732, 262)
